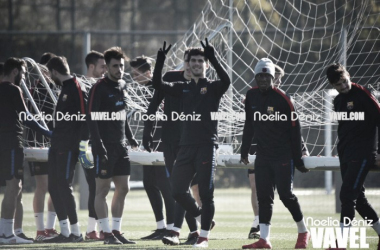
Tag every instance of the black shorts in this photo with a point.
(117, 163)
(251, 171)
(11, 163)
(38, 168)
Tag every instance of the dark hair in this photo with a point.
(186, 52)
(13, 63)
(93, 57)
(334, 72)
(46, 57)
(115, 53)
(59, 63)
(196, 52)
(141, 63)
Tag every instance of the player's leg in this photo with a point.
(195, 190)
(19, 216)
(51, 218)
(284, 173)
(254, 233)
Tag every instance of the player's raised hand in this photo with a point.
(162, 52)
(209, 50)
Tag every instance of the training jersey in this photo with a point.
(70, 122)
(357, 138)
(276, 140)
(11, 104)
(110, 98)
(172, 105)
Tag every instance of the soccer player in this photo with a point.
(357, 147)
(64, 150)
(155, 178)
(96, 67)
(12, 106)
(170, 138)
(109, 147)
(199, 139)
(40, 169)
(278, 151)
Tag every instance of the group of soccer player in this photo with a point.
(186, 182)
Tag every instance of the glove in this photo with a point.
(83, 157)
(209, 51)
(301, 167)
(133, 142)
(162, 52)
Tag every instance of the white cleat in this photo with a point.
(13, 239)
(201, 243)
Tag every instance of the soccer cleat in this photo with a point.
(261, 244)
(92, 236)
(191, 239)
(13, 239)
(52, 232)
(172, 238)
(302, 240)
(110, 239)
(157, 234)
(121, 238)
(23, 236)
(58, 239)
(41, 236)
(74, 238)
(254, 233)
(201, 243)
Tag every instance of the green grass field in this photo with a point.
(233, 217)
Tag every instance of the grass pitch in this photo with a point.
(233, 215)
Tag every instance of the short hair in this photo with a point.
(279, 70)
(334, 72)
(114, 53)
(59, 63)
(186, 52)
(13, 63)
(196, 52)
(141, 63)
(46, 57)
(93, 57)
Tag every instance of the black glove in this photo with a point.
(133, 142)
(209, 51)
(162, 52)
(301, 166)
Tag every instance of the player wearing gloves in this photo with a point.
(199, 139)
(279, 150)
(109, 147)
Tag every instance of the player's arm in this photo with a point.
(128, 133)
(248, 132)
(19, 105)
(296, 140)
(225, 80)
(155, 102)
(173, 89)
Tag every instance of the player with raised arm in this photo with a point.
(279, 149)
(64, 151)
(13, 112)
(96, 67)
(199, 137)
(155, 178)
(109, 146)
(357, 147)
(170, 138)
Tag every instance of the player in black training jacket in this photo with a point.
(13, 112)
(108, 97)
(357, 147)
(199, 136)
(278, 151)
(170, 138)
(64, 151)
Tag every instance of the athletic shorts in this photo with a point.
(11, 163)
(117, 164)
(38, 168)
(251, 171)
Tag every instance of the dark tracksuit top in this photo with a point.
(72, 100)
(280, 140)
(108, 96)
(358, 138)
(170, 128)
